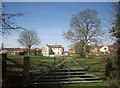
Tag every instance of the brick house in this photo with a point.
(72, 51)
(97, 50)
(15, 51)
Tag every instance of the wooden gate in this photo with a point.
(62, 73)
(14, 71)
(32, 73)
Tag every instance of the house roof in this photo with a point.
(37, 49)
(109, 46)
(11, 49)
(73, 49)
(23, 49)
(55, 46)
(19, 49)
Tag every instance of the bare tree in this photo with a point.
(116, 20)
(7, 22)
(28, 38)
(114, 56)
(84, 29)
(116, 33)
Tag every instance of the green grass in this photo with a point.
(93, 62)
(35, 58)
(15, 57)
(84, 85)
(103, 84)
(89, 59)
(31, 56)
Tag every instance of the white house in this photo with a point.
(52, 50)
(66, 53)
(104, 49)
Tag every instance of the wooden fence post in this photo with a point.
(0, 70)
(26, 67)
(4, 69)
(54, 63)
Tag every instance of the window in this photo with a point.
(104, 48)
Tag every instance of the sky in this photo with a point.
(61, 0)
(51, 19)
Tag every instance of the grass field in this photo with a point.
(94, 64)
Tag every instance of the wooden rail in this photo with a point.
(25, 67)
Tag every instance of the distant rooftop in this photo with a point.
(55, 46)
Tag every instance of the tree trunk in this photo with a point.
(29, 49)
(119, 60)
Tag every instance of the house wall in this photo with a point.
(48, 51)
(94, 51)
(66, 53)
(45, 51)
(97, 50)
(104, 49)
(57, 51)
(72, 51)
